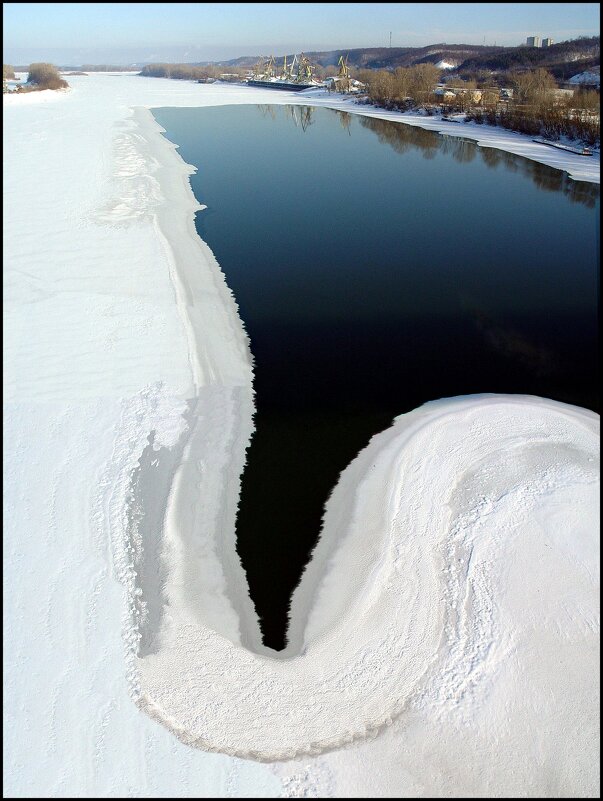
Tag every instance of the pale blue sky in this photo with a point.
(127, 32)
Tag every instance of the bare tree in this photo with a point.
(535, 87)
(423, 79)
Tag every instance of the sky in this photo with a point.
(122, 33)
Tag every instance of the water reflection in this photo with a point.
(300, 115)
(402, 141)
(345, 118)
(267, 110)
(403, 138)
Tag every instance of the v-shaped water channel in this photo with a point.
(378, 266)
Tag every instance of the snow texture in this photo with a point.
(444, 636)
(591, 78)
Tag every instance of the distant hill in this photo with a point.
(382, 57)
(563, 59)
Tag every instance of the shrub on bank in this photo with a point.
(45, 76)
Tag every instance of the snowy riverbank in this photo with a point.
(187, 93)
(134, 397)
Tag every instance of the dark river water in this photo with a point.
(378, 266)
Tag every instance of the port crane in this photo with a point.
(343, 76)
(265, 68)
(304, 70)
(299, 70)
(296, 75)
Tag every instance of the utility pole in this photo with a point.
(390, 38)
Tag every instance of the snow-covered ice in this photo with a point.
(446, 629)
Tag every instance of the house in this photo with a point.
(445, 94)
(474, 94)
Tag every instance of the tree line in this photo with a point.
(190, 72)
(536, 106)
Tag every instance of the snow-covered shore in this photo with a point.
(135, 396)
(580, 168)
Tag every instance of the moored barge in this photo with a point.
(294, 77)
(292, 86)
